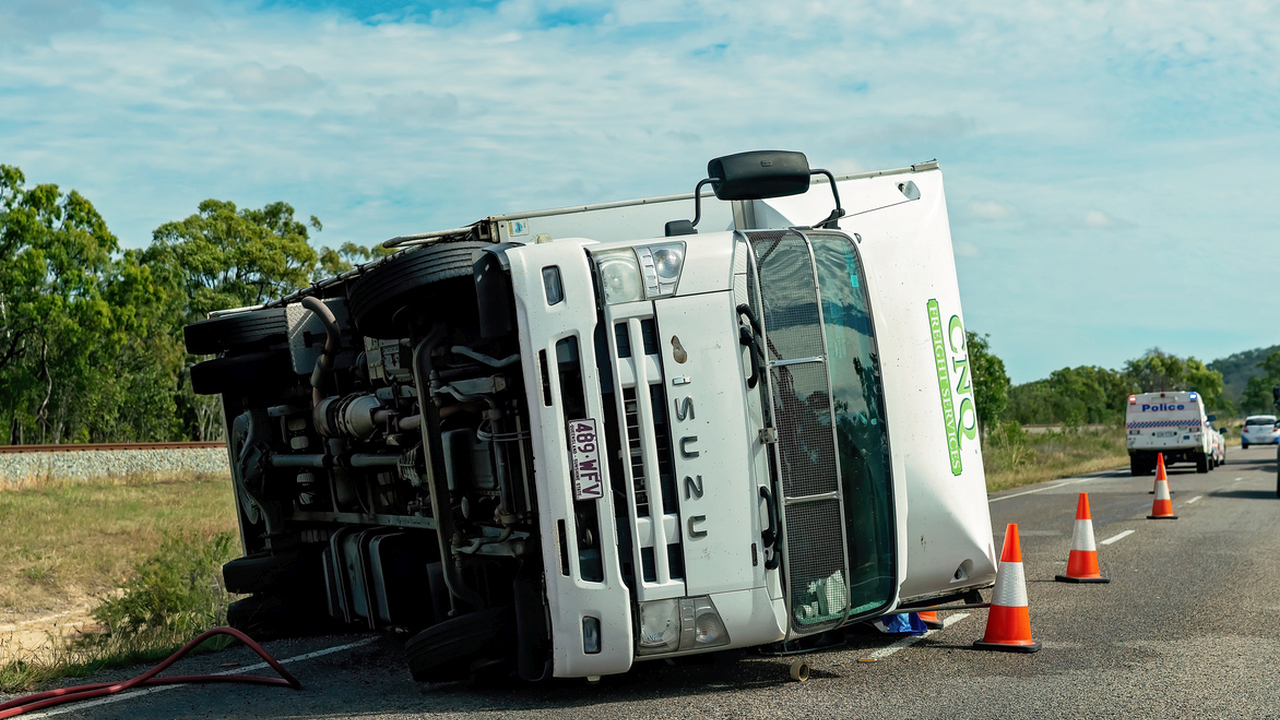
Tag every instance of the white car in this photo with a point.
(1259, 430)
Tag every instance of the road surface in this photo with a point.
(1188, 627)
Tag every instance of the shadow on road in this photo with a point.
(1246, 494)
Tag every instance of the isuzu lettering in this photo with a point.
(561, 442)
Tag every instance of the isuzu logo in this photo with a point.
(692, 484)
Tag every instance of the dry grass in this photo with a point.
(1014, 458)
(139, 555)
(65, 540)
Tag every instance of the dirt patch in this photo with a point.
(42, 633)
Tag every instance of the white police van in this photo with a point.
(1171, 423)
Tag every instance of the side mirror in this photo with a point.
(759, 175)
(1212, 418)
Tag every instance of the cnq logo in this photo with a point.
(955, 386)
(966, 422)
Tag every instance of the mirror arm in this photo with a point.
(697, 199)
(831, 222)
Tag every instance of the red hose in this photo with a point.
(49, 698)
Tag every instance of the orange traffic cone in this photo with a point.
(1162, 506)
(1159, 469)
(1082, 563)
(1008, 622)
(930, 619)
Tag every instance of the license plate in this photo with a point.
(584, 452)
(1166, 433)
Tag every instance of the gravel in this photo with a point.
(16, 468)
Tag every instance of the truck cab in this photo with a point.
(576, 446)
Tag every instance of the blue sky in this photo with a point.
(1110, 167)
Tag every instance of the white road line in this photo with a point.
(911, 639)
(1050, 487)
(1193, 499)
(77, 707)
(1116, 538)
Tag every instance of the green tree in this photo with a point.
(346, 257)
(1158, 371)
(55, 250)
(990, 382)
(1257, 398)
(225, 257)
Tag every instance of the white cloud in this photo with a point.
(253, 83)
(35, 21)
(989, 210)
(1098, 219)
(1036, 110)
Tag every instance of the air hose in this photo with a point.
(50, 698)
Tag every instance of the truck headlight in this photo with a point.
(659, 627)
(620, 276)
(648, 271)
(661, 265)
(682, 624)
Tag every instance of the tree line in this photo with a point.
(1096, 395)
(91, 335)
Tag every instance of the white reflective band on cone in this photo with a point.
(1082, 536)
(1011, 586)
(1162, 491)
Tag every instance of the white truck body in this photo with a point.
(680, 506)
(1172, 424)
(907, 252)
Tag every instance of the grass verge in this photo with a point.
(1014, 458)
(144, 552)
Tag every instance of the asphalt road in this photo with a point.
(1187, 628)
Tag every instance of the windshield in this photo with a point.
(1264, 420)
(832, 452)
(863, 440)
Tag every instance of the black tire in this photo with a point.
(294, 573)
(1202, 463)
(447, 651)
(377, 298)
(1244, 445)
(250, 330)
(243, 374)
(266, 617)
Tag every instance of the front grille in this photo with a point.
(644, 448)
(635, 451)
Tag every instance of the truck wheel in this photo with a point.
(1136, 467)
(377, 299)
(242, 331)
(243, 374)
(1202, 463)
(447, 651)
(263, 572)
(266, 617)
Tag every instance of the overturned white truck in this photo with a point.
(561, 442)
